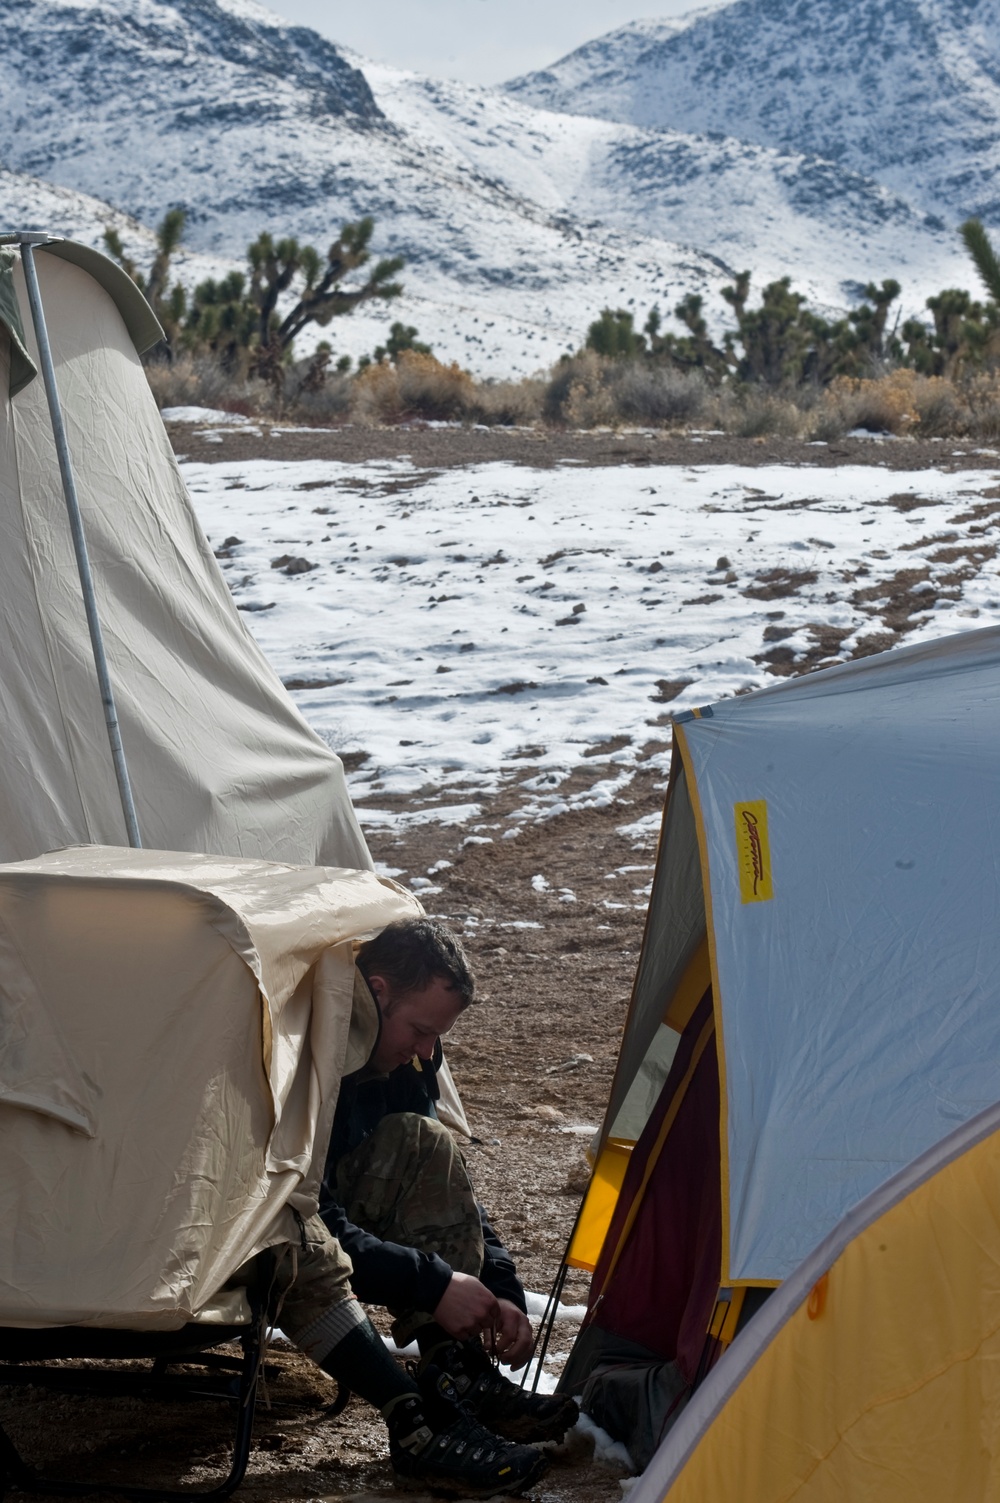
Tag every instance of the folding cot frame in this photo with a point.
(226, 1377)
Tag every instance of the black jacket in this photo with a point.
(386, 1273)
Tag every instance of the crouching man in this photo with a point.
(434, 1438)
(397, 1204)
(398, 1199)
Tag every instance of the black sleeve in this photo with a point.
(499, 1272)
(386, 1273)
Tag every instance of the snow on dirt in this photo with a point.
(445, 626)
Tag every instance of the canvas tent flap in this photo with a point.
(37, 1071)
(220, 759)
(873, 1373)
(21, 367)
(207, 1008)
(855, 933)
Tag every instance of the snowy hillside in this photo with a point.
(517, 224)
(28, 203)
(904, 91)
(749, 206)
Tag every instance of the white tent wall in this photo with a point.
(857, 1006)
(219, 758)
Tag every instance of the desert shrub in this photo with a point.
(322, 403)
(939, 407)
(201, 381)
(578, 394)
(431, 390)
(507, 404)
(417, 385)
(376, 397)
(981, 397)
(752, 412)
(658, 394)
(885, 405)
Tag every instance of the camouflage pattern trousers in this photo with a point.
(407, 1183)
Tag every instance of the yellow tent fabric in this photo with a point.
(877, 1378)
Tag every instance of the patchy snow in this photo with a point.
(208, 415)
(462, 627)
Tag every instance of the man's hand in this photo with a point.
(467, 1307)
(514, 1338)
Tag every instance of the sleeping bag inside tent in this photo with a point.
(814, 1003)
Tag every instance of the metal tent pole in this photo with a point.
(27, 244)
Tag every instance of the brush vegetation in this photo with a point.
(780, 369)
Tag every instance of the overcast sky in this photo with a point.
(481, 41)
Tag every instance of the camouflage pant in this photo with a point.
(307, 1288)
(408, 1183)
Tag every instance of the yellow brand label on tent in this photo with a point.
(753, 851)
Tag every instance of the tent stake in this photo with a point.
(79, 539)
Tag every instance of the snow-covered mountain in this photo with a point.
(517, 224)
(903, 91)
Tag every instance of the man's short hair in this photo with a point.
(412, 953)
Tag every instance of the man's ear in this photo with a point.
(379, 988)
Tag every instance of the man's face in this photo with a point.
(412, 1021)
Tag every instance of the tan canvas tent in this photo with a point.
(220, 760)
(175, 1030)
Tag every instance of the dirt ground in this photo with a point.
(533, 1060)
(446, 446)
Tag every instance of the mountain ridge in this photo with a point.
(517, 224)
(903, 91)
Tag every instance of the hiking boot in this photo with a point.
(436, 1442)
(498, 1403)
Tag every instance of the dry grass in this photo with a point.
(591, 391)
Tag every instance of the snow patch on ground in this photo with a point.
(213, 415)
(500, 624)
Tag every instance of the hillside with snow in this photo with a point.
(517, 223)
(903, 91)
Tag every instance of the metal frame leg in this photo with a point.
(16, 1472)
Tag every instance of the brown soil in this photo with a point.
(446, 447)
(533, 1060)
